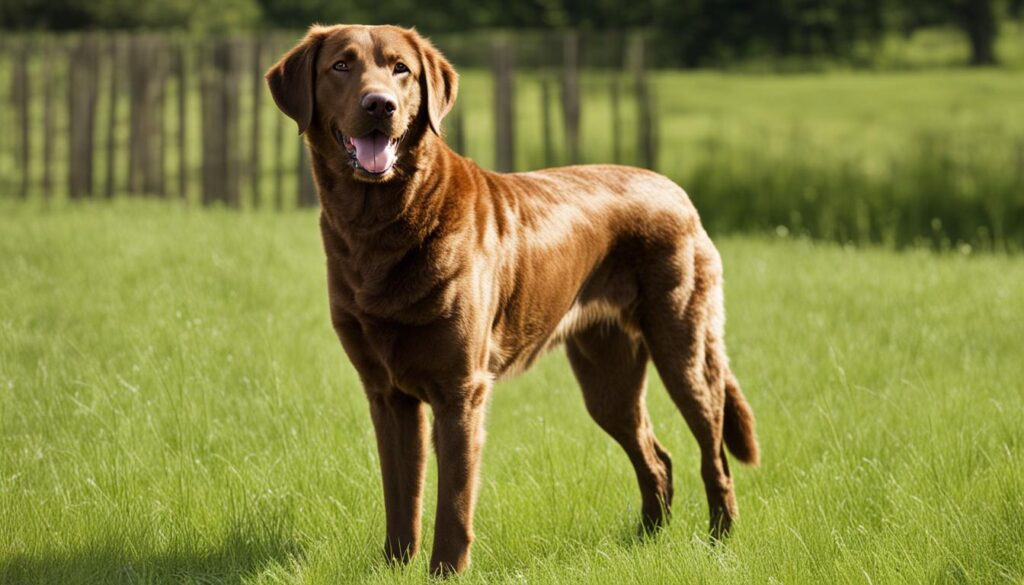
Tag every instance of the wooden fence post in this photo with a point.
(504, 106)
(20, 95)
(83, 93)
(258, 87)
(220, 125)
(545, 121)
(232, 122)
(158, 121)
(135, 146)
(646, 138)
(571, 94)
(115, 69)
(616, 119)
(213, 117)
(277, 155)
(281, 123)
(139, 112)
(51, 56)
(147, 66)
(6, 64)
(181, 72)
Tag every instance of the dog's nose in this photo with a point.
(379, 105)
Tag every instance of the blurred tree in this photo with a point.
(197, 15)
(978, 19)
(39, 14)
(301, 13)
(224, 16)
(722, 30)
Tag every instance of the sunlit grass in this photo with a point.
(176, 408)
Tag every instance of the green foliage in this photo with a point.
(174, 407)
(196, 15)
(691, 32)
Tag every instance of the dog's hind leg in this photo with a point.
(611, 369)
(682, 320)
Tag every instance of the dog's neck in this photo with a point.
(397, 214)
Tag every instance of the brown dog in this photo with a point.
(444, 277)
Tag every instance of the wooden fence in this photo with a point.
(160, 115)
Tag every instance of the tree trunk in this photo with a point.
(83, 93)
(504, 107)
(571, 95)
(979, 22)
(21, 95)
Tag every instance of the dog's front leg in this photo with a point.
(458, 439)
(401, 425)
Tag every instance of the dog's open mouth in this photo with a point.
(374, 153)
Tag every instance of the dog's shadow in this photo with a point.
(240, 554)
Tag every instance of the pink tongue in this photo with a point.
(374, 152)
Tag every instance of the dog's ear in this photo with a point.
(292, 80)
(439, 83)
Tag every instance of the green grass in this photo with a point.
(176, 408)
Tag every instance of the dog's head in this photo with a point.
(364, 93)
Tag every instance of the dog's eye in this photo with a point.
(340, 66)
(401, 68)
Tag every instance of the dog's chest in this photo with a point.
(412, 344)
(420, 359)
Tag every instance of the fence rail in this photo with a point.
(162, 115)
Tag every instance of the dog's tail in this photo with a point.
(738, 430)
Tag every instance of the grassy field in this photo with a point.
(176, 408)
